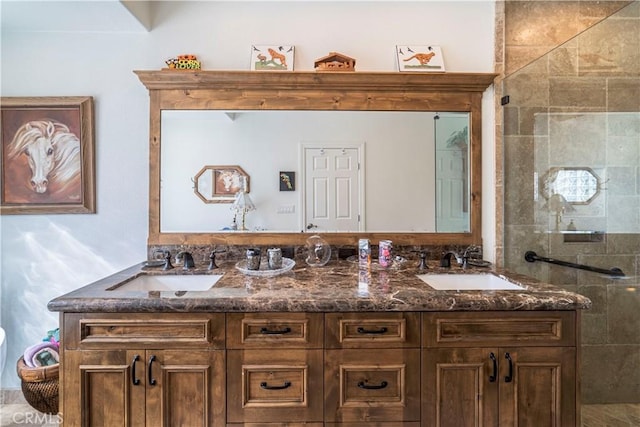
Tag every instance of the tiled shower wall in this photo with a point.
(579, 105)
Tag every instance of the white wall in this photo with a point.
(44, 256)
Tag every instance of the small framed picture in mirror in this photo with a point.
(287, 181)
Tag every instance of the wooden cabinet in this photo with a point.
(320, 369)
(143, 370)
(511, 369)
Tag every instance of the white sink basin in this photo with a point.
(468, 282)
(185, 282)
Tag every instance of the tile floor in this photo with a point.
(14, 412)
(611, 415)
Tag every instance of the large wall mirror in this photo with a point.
(346, 155)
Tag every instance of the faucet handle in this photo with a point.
(423, 259)
(212, 261)
(167, 261)
(212, 258)
(472, 249)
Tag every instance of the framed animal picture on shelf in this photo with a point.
(47, 146)
(420, 58)
(272, 58)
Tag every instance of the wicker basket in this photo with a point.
(40, 386)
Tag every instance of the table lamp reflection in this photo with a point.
(241, 205)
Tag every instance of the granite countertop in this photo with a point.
(337, 287)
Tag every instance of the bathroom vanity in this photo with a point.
(325, 346)
(319, 346)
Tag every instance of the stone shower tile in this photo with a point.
(624, 93)
(569, 92)
(622, 310)
(606, 371)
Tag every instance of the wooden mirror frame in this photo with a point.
(329, 91)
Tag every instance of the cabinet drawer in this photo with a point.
(274, 386)
(143, 330)
(281, 330)
(379, 386)
(302, 424)
(373, 424)
(372, 330)
(504, 328)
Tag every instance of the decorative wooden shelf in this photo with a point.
(316, 80)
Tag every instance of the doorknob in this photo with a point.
(311, 225)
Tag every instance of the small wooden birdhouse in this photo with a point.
(335, 62)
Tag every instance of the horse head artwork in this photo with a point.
(53, 153)
(231, 181)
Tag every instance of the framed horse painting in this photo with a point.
(47, 146)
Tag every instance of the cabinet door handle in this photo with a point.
(266, 386)
(366, 386)
(362, 330)
(509, 377)
(266, 331)
(152, 381)
(134, 380)
(493, 377)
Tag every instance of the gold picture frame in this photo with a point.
(47, 147)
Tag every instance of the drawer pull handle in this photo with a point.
(266, 386)
(509, 377)
(152, 381)
(134, 380)
(266, 331)
(362, 330)
(493, 377)
(362, 384)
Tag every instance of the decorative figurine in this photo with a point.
(183, 62)
(335, 62)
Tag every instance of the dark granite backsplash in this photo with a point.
(201, 253)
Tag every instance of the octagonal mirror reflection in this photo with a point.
(577, 185)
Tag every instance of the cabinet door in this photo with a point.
(538, 387)
(101, 389)
(460, 387)
(185, 388)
